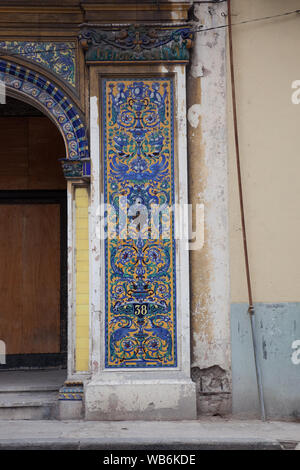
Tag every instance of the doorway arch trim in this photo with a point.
(58, 106)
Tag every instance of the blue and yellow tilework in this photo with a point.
(56, 56)
(140, 293)
(55, 102)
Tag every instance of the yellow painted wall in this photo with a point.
(82, 280)
(267, 61)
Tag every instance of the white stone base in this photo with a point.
(70, 409)
(129, 398)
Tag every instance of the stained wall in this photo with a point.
(266, 65)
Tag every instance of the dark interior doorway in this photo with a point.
(33, 240)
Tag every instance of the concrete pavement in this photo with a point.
(206, 433)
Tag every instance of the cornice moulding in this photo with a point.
(137, 43)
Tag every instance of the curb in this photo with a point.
(129, 444)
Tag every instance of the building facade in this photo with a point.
(120, 225)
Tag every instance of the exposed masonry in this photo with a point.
(213, 390)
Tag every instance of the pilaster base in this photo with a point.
(70, 404)
(124, 398)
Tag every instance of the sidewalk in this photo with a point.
(207, 433)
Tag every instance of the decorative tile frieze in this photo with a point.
(137, 43)
(75, 168)
(57, 57)
(71, 392)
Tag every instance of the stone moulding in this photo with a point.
(137, 43)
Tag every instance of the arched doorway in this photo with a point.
(43, 94)
(33, 241)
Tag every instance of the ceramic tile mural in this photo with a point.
(140, 292)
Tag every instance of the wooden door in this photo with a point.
(29, 153)
(32, 245)
(33, 299)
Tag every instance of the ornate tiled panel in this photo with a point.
(57, 57)
(140, 291)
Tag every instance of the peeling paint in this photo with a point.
(94, 240)
(207, 142)
(196, 70)
(164, 69)
(194, 115)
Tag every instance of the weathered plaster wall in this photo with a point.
(207, 157)
(266, 64)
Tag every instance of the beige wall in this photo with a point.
(267, 61)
